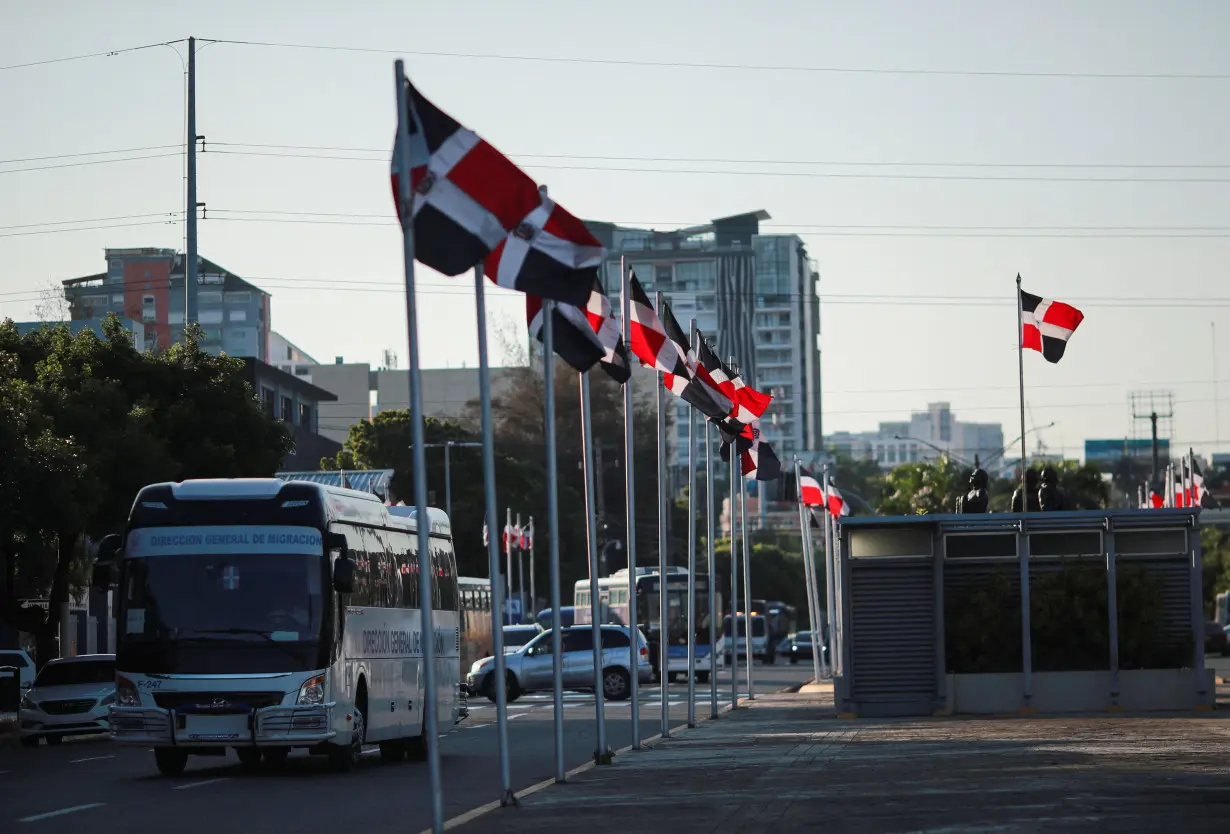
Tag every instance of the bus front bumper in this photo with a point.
(275, 726)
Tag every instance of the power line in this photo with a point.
(753, 161)
(833, 70)
(809, 174)
(87, 153)
(90, 228)
(108, 54)
(90, 220)
(92, 162)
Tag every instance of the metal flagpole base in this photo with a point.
(605, 757)
(509, 798)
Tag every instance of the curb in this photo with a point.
(495, 805)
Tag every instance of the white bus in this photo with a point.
(264, 615)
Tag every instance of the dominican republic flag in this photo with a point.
(837, 504)
(527, 536)
(1203, 497)
(1046, 325)
(468, 200)
(1181, 497)
(810, 492)
(1156, 501)
(649, 340)
(757, 458)
(747, 404)
(550, 253)
(696, 388)
(584, 337)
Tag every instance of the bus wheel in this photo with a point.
(171, 762)
(616, 684)
(702, 677)
(394, 751)
(249, 757)
(343, 759)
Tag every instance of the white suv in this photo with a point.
(71, 696)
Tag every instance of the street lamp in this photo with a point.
(939, 449)
(448, 475)
(1017, 439)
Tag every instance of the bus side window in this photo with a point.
(362, 577)
(407, 563)
(446, 576)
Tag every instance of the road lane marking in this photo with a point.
(200, 784)
(69, 810)
(91, 759)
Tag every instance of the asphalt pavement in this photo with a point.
(92, 782)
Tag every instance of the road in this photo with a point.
(54, 790)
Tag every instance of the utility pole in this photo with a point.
(1153, 415)
(190, 265)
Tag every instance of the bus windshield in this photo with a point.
(757, 627)
(224, 601)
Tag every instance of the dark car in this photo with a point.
(801, 646)
(1215, 639)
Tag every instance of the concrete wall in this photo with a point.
(1140, 690)
(351, 383)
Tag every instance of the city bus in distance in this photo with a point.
(264, 615)
(477, 640)
(613, 607)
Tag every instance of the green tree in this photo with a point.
(923, 488)
(93, 420)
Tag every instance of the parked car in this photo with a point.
(516, 636)
(531, 668)
(1215, 639)
(20, 660)
(70, 696)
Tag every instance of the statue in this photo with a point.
(977, 499)
(1050, 496)
(1031, 489)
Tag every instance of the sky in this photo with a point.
(926, 153)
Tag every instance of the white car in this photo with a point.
(22, 663)
(70, 696)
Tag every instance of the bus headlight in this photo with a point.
(312, 691)
(126, 693)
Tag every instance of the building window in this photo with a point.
(268, 398)
(303, 370)
(238, 315)
(175, 317)
(209, 316)
(305, 416)
(117, 300)
(149, 309)
(288, 409)
(244, 297)
(208, 297)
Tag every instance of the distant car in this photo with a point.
(1216, 640)
(516, 636)
(801, 646)
(531, 667)
(70, 696)
(23, 669)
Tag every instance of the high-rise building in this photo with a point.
(147, 285)
(753, 294)
(923, 437)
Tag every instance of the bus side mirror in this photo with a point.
(335, 541)
(103, 574)
(343, 576)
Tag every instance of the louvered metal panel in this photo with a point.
(1176, 593)
(892, 632)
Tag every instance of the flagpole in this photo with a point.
(431, 724)
(692, 552)
(493, 551)
(1020, 365)
(625, 302)
(557, 654)
(713, 606)
(734, 584)
(508, 583)
(533, 584)
(520, 569)
(829, 569)
(747, 583)
(663, 610)
(807, 569)
(603, 752)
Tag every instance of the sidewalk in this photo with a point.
(786, 763)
